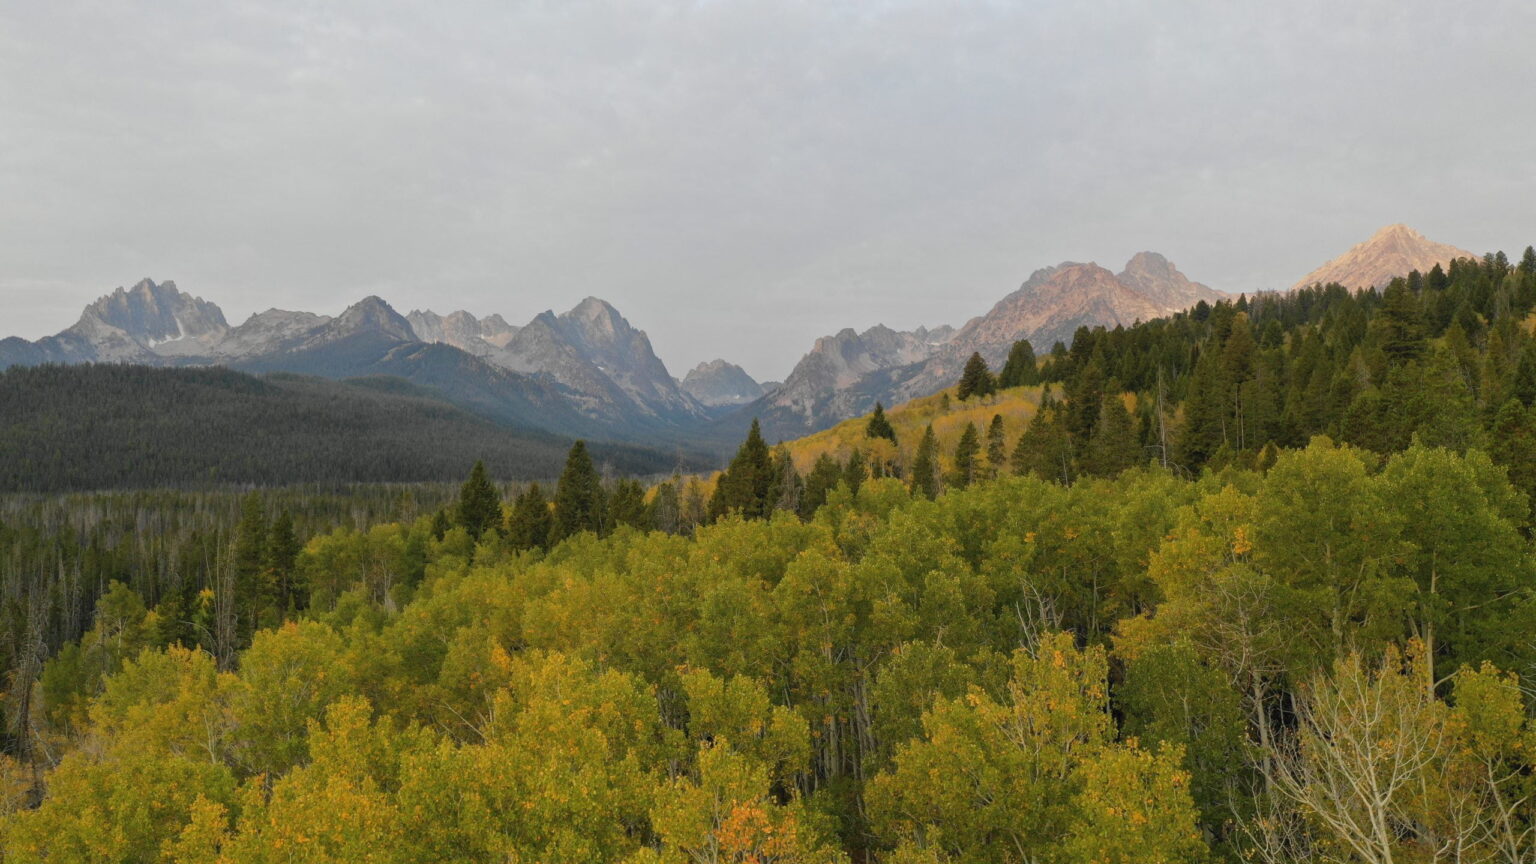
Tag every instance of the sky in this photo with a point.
(737, 177)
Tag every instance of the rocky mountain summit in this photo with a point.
(719, 383)
(1395, 250)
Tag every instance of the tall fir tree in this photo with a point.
(975, 379)
(997, 453)
(823, 478)
(1020, 369)
(967, 457)
(879, 426)
(479, 505)
(531, 522)
(745, 485)
(283, 549)
(626, 506)
(856, 471)
(252, 591)
(925, 466)
(1115, 446)
(1045, 449)
(580, 504)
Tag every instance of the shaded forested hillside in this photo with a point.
(114, 426)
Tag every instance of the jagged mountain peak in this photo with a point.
(374, 314)
(719, 382)
(1395, 250)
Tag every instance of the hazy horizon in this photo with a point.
(737, 178)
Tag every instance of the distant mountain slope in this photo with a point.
(101, 426)
(718, 383)
(1395, 250)
(845, 375)
(584, 373)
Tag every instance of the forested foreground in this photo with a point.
(1320, 660)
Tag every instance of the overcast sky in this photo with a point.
(737, 177)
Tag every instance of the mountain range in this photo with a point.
(588, 373)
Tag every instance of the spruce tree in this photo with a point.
(1114, 447)
(855, 472)
(282, 554)
(745, 485)
(1020, 369)
(824, 477)
(1045, 449)
(976, 379)
(996, 447)
(479, 506)
(579, 499)
(250, 559)
(967, 453)
(627, 504)
(787, 487)
(879, 426)
(530, 523)
(925, 468)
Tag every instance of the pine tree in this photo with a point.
(1020, 369)
(785, 491)
(1045, 449)
(1114, 447)
(282, 554)
(530, 524)
(1084, 396)
(967, 453)
(996, 447)
(252, 592)
(976, 379)
(627, 504)
(744, 486)
(665, 507)
(824, 477)
(879, 426)
(579, 499)
(441, 525)
(925, 469)
(855, 472)
(479, 506)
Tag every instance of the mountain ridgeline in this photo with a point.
(587, 373)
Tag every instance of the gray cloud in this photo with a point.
(737, 176)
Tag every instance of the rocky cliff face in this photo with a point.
(482, 337)
(717, 384)
(1395, 250)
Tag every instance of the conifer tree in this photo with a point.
(664, 510)
(282, 554)
(787, 487)
(976, 379)
(627, 504)
(479, 506)
(1114, 447)
(967, 455)
(996, 447)
(1045, 449)
(745, 485)
(855, 472)
(250, 559)
(824, 477)
(879, 426)
(925, 468)
(579, 501)
(1020, 369)
(440, 524)
(530, 524)
(1085, 393)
